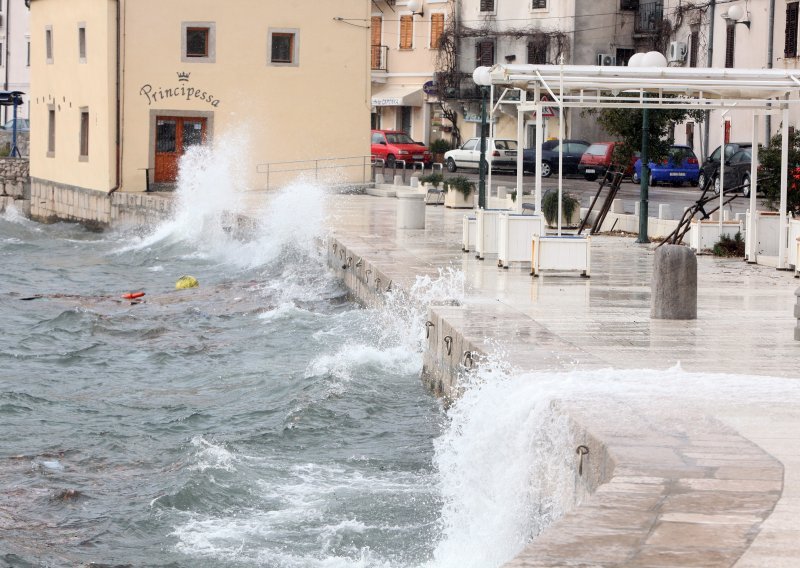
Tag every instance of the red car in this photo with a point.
(392, 145)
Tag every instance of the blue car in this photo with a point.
(681, 166)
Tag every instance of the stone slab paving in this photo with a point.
(711, 486)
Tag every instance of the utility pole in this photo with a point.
(709, 63)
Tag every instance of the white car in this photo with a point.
(500, 153)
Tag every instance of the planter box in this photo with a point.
(561, 253)
(486, 232)
(456, 200)
(468, 228)
(515, 233)
(705, 234)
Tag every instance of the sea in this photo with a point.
(262, 418)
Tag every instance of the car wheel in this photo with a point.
(546, 169)
(701, 180)
(390, 161)
(653, 182)
(590, 177)
(635, 178)
(451, 165)
(746, 185)
(716, 184)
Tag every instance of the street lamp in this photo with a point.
(483, 78)
(416, 7)
(649, 59)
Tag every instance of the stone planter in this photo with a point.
(456, 200)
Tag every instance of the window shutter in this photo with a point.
(790, 48)
(484, 53)
(730, 41)
(694, 40)
(377, 24)
(538, 4)
(406, 32)
(487, 5)
(437, 28)
(537, 51)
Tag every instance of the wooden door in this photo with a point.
(175, 135)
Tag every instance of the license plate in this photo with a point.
(589, 170)
(417, 157)
(677, 174)
(511, 152)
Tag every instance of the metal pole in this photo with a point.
(482, 163)
(709, 63)
(14, 149)
(750, 245)
(782, 224)
(644, 183)
(520, 144)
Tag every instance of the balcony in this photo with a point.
(649, 17)
(380, 55)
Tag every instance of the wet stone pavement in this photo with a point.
(714, 482)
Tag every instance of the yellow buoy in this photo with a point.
(186, 282)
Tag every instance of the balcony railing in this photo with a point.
(380, 54)
(649, 16)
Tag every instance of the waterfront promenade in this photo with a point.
(703, 475)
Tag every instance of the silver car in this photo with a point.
(500, 153)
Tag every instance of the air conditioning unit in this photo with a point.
(606, 59)
(677, 51)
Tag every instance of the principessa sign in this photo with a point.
(154, 94)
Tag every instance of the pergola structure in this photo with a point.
(587, 86)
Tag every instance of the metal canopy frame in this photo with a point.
(763, 91)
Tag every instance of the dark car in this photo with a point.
(572, 152)
(679, 166)
(710, 166)
(737, 171)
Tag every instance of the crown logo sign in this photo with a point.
(183, 76)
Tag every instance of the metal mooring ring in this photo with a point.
(428, 326)
(581, 451)
(448, 341)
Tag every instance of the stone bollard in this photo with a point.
(398, 179)
(379, 179)
(617, 206)
(413, 182)
(664, 211)
(797, 315)
(502, 192)
(410, 210)
(636, 206)
(674, 284)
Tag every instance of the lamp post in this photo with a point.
(483, 78)
(650, 59)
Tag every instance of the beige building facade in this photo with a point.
(122, 89)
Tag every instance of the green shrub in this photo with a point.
(440, 146)
(550, 206)
(729, 246)
(460, 183)
(434, 179)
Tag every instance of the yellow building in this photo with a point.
(121, 88)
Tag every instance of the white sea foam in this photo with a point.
(212, 456)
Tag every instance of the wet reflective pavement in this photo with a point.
(710, 482)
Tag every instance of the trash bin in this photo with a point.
(410, 210)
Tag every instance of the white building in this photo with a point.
(15, 48)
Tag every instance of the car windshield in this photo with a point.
(680, 153)
(505, 144)
(398, 138)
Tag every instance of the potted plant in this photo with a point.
(459, 192)
(438, 148)
(569, 206)
(433, 180)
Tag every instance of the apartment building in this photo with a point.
(14, 54)
(121, 89)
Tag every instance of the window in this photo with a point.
(51, 131)
(730, 43)
(484, 53)
(629, 5)
(48, 43)
(82, 43)
(790, 46)
(694, 48)
(538, 4)
(487, 6)
(376, 34)
(406, 32)
(283, 47)
(198, 42)
(437, 28)
(624, 55)
(84, 142)
(537, 51)
(470, 144)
